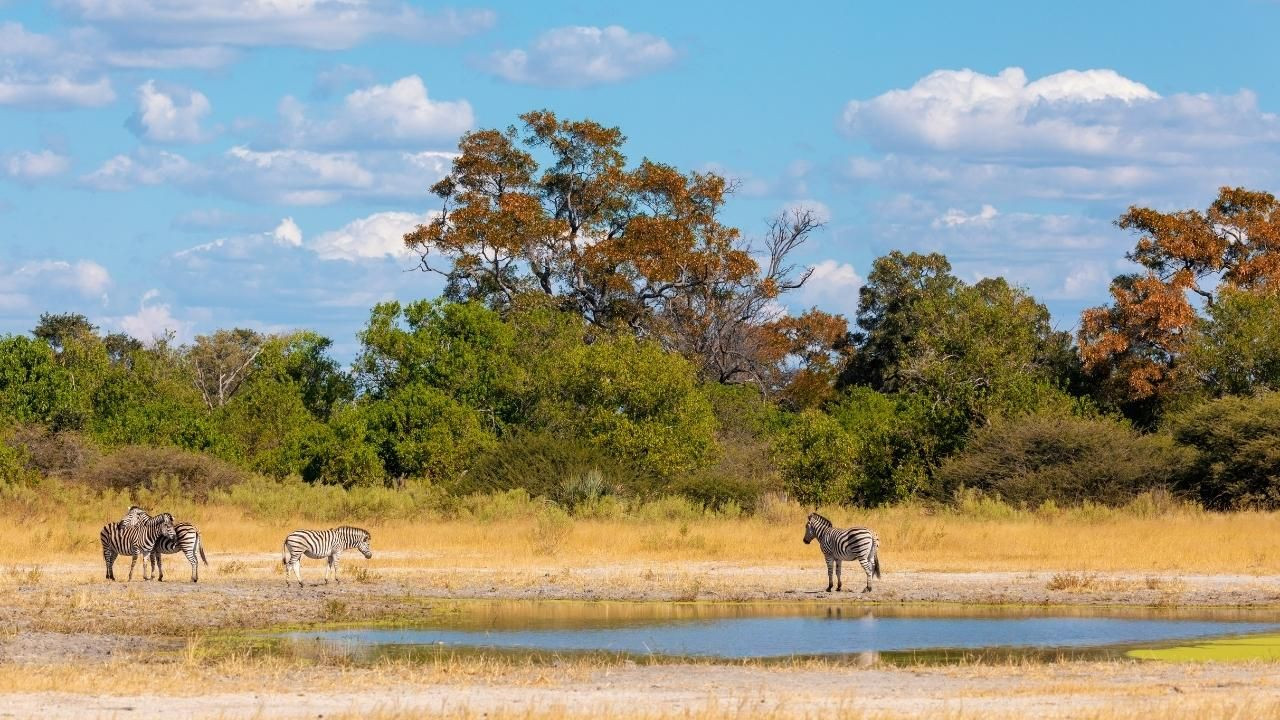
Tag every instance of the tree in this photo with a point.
(64, 331)
(34, 388)
(1237, 348)
(818, 459)
(1237, 444)
(728, 322)
(220, 363)
(608, 242)
(1136, 345)
(887, 315)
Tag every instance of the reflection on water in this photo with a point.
(770, 630)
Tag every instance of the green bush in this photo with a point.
(1236, 463)
(818, 459)
(1065, 459)
(566, 471)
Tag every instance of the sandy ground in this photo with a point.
(71, 615)
(719, 691)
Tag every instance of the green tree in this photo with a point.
(1237, 444)
(818, 460)
(422, 431)
(34, 388)
(1237, 349)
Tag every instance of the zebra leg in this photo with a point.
(333, 560)
(158, 564)
(109, 556)
(866, 567)
(829, 582)
(133, 560)
(195, 567)
(839, 579)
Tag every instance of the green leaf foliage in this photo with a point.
(1237, 444)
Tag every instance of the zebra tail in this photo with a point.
(200, 547)
(875, 558)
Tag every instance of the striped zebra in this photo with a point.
(134, 541)
(838, 544)
(322, 544)
(186, 541)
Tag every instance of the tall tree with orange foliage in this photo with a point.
(553, 209)
(1135, 345)
(609, 242)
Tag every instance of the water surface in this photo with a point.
(724, 630)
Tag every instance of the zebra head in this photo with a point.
(164, 521)
(135, 516)
(814, 527)
(363, 546)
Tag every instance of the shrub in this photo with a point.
(53, 453)
(1061, 458)
(817, 459)
(1237, 451)
(565, 470)
(134, 468)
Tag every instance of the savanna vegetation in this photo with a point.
(606, 344)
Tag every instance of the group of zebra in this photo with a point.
(141, 535)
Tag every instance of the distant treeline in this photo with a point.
(603, 334)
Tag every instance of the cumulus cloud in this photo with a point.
(579, 56)
(29, 167)
(1077, 134)
(40, 284)
(833, 286)
(954, 217)
(399, 114)
(287, 233)
(143, 167)
(152, 320)
(55, 92)
(378, 235)
(169, 115)
(314, 24)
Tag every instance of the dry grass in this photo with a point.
(913, 538)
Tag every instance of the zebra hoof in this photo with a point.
(866, 589)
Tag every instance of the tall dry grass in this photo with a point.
(1154, 534)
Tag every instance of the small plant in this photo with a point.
(232, 567)
(363, 575)
(1073, 582)
(26, 576)
(335, 610)
(551, 528)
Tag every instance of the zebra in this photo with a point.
(187, 541)
(323, 544)
(837, 544)
(134, 540)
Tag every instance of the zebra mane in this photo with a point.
(819, 520)
(362, 531)
(158, 519)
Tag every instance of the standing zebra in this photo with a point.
(837, 544)
(322, 544)
(186, 541)
(134, 541)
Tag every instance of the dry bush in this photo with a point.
(136, 467)
(53, 454)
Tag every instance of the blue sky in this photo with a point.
(188, 166)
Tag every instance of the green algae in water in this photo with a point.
(1228, 649)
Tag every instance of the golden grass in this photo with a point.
(912, 538)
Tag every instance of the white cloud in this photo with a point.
(39, 285)
(170, 115)
(579, 56)
(833, 286)
(819, 209)
(152, 320)
(287, 233)
(144, 167)
(314, 24)
(27, 166)
(56, 92)
(397, 114)
(954, 217)
(378, 235)
(1084, 135)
